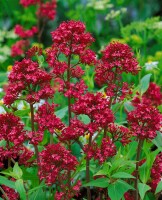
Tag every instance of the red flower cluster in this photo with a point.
(11, 193)
(35, 137)
(117, 58)
(152, 96)
(70, 38)
(96, 107)
(101, 153)
(72, 89)
(24, 156)
(47, 10)
(76, 129)
(156, 172)
(12, 130)
(67, 194)
(21, 32)
(55, 161)
(27, 76)
(119, 133)
(27, 3)
(144, 121)
(47, 120)
(34, 51)
(19, 47)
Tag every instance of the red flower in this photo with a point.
(144, 121)
(96, 107)
(120, 133)
(19, 48)
(47, 120)
(156, 172)
(55, 161)
(11, 193)
(70, 38)
(47, 10)
(152, 96)
(27, 76)
(21, 32)
(12, 129)
(27, 3)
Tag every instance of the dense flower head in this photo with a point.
(47, 9)
(144, 121)
(19, 153)
(10, 193)
(21, 32)
(74, 131)
(12, 129)
(117, 58)
(54, 161)
(152, 96)
(96, 107)
(72, 89)
(121, 57)
(34, 51)
(156, 172)
(101, 153)
(47, 120)
(120, 133)
(70, 38)
(19, 47)
(26, 75)
(35, 137)
(24, 156)
(77, 72)
(65, 194)
(27, 3)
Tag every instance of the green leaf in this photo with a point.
(128, 106)
(5, 181)
(62, 112)
(20, 188)
(122, 175)
(2, 143)
(159, 187)
(37, 188)
(85, 119)
(144, 83)
(17, 171)
(158, 140)
(100, 182)
(38, 195)
(143, 188)
(21, 113)
(117, 189)
(40, 60)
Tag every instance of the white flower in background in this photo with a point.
(2, 110)
(1, 90)
(37, 105)
(20, 105)
(151, 65)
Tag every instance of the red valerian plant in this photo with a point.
(45, 11)
(83, 145)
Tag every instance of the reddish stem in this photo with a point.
(33, 129)
(69, 115)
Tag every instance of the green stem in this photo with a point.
(88, 170)
(140, 143)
